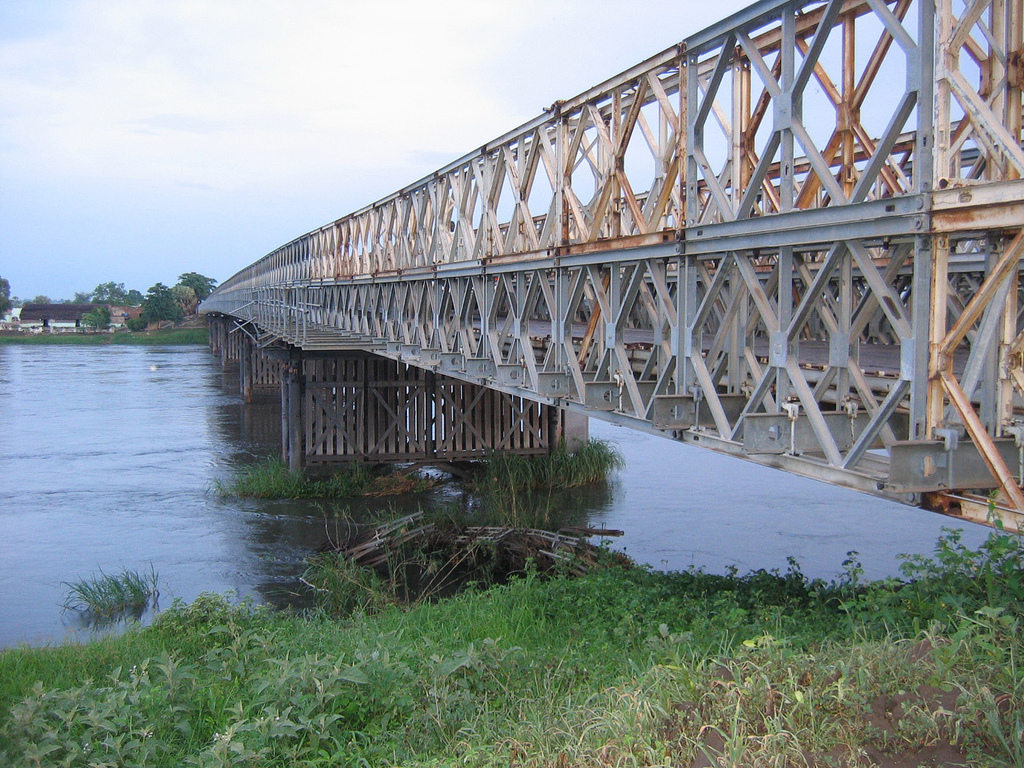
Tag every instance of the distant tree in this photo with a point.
(186, 298)
(133, 298)
(159, 304)
(81, 297)
(5, 296)
(40, 299)
(98, 317)
(112, 293)
(203, 286)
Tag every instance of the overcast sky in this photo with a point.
(140, 139)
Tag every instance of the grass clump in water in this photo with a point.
(271, 479)
(110, 596)
(592, 462)
(529, 491)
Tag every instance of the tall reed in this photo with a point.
(523, 491)
(591, 462)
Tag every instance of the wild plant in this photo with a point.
(343, 587)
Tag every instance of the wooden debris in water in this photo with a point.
(569, 547)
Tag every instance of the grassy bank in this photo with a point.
(174, 336)
(621, 667)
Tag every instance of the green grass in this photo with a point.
(171, 336)
(271, 479)
(528, 491)
(343, 588)
(507, 480)
(624, 667)
(591, 462)
(106, 597)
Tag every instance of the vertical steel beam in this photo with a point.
(925, 149)
(784, 114)
(931, 257)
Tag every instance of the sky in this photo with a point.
(141, 139)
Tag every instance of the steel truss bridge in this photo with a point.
(795, 237)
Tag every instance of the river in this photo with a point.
(108, 456)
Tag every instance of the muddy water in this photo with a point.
(107, 456)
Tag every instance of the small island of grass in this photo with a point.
(503, 477)
(271, 479)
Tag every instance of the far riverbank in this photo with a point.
(169, 336)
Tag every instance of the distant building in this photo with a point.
(55, 317)
(119, 316)
(11, 319)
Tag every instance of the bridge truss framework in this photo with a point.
(795, 237)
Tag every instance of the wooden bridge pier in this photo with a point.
(343, 407)
(226, 339)
(339, 407)
(259, 373)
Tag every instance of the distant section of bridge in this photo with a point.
(795, 237)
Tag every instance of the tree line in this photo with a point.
(159, 303)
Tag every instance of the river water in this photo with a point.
(108, 455)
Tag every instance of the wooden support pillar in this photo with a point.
(292, 415)
(266, 372)
(224, 357)
(230, 352)
(434, 416)
(245, 369)
(285, 410)
(572, 427)
(216, 326)
(219, 331)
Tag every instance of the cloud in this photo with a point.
(229, 93)
(139, 136)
